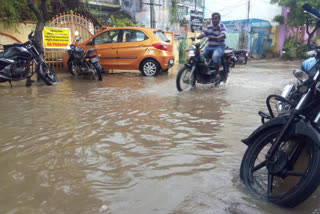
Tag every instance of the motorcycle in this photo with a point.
(84, 63)
(197, 68)
(239, 57)
(308, 69)
(17, 60)
(282, 162)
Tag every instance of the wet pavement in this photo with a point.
(132, 144)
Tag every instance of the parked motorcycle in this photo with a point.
(17, 59)
(282, 161)
(197, 68)
(84, 63)
(239, 57)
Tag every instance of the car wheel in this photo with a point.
(150, 67)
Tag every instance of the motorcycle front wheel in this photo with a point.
(289, 177)
(73, 68)
(47, 74)
(185, 81)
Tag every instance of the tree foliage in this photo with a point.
(121, 22)
(296, 17)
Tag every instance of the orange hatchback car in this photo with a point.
(133, 48)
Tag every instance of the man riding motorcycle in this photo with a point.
(216, 34)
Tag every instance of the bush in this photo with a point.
(294, 50)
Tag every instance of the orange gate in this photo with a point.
(74, 22)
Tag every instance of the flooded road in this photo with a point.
(133, 145)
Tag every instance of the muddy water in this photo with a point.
(132, 144)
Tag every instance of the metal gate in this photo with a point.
(74, 22)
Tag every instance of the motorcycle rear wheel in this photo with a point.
(288, 181)
(96, 73)
(47, 74)
(184, 81)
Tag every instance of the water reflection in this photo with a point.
(131, 144)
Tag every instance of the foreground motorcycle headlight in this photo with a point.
(191, 53)
(300, 75)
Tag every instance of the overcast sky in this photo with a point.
(238, 9)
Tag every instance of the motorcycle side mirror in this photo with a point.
(30, 35)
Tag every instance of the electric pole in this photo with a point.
(152, 13)
(248, 11)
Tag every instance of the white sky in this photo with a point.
(238, 9)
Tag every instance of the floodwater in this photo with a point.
(132, 144)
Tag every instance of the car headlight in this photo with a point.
(300, 75)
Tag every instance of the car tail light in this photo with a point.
(160, 46)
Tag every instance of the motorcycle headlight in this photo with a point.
(300, 75)
(191, 53)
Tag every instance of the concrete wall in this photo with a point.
(20, 32)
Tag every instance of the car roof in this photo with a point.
(104, 29)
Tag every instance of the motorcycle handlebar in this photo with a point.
(307, 7)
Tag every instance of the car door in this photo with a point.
(106, 45)
(132, 48)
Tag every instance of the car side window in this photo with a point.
(133, 36)
(110, 36)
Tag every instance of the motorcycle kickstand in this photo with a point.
(28, 82)
(10, 83)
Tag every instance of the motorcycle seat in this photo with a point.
(79, 50)
(240, 51)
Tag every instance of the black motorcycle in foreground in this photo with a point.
(197, 69)
(16, 63)
(282, 161)
(84, 63)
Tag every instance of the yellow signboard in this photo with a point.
(56, 37)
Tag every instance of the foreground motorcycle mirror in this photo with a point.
(312, 53)
(300, 75)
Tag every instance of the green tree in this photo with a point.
(296, 17)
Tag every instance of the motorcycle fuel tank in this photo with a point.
(16, 53)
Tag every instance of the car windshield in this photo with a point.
(161, 36)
